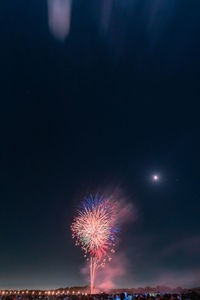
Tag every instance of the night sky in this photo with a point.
(107, 107)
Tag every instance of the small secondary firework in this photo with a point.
(95, 229)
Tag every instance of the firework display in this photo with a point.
(95, 229)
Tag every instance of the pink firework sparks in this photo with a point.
(95, 229)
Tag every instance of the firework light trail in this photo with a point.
(95, 229)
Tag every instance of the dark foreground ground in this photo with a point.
(49, 295)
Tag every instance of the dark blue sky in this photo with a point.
(105, 108)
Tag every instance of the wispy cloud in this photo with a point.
(186, 279)
(188, 246)
(59, 12)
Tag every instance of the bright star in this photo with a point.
(155, 177)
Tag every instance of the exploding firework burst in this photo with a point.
(95, 229)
